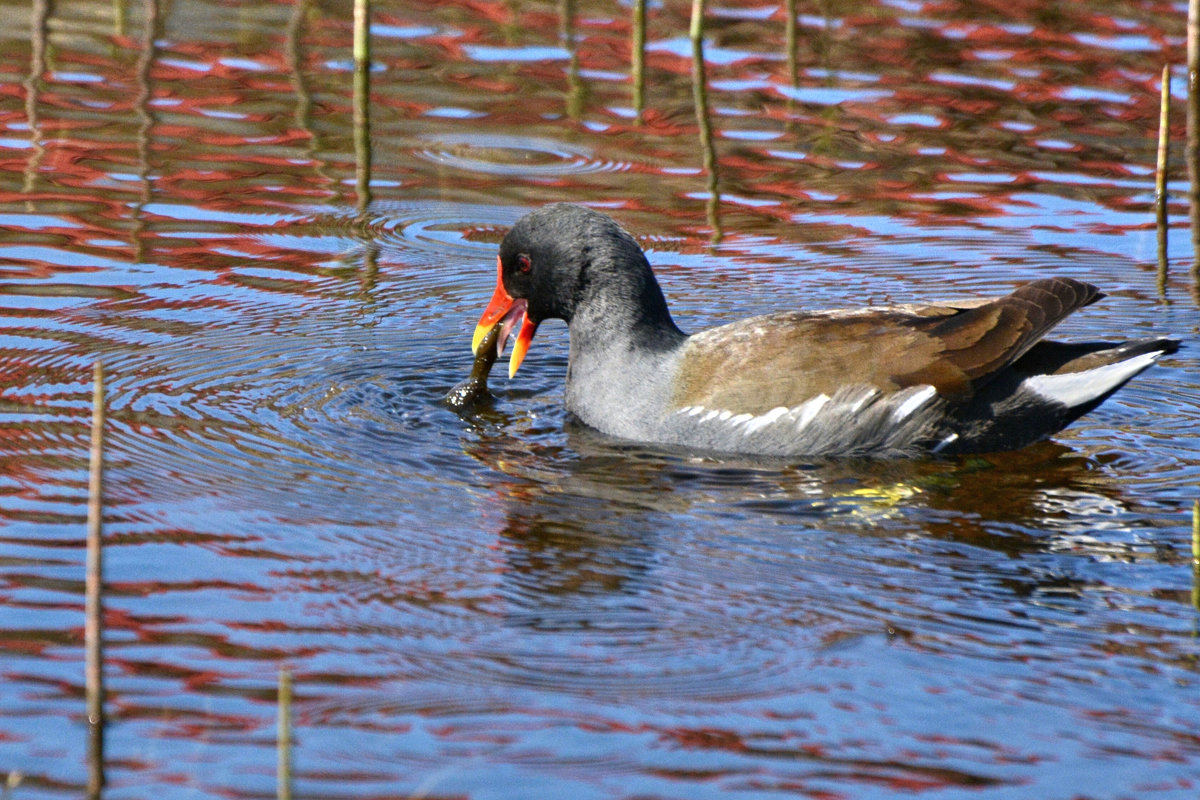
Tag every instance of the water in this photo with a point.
(505, 605)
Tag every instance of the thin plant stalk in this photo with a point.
(363, 156)
(1193, 135)
(362, 33)
(283, 742)
(1196, 554)
(790, 39)
(362, 91)
(93, 585)
(638, 59)
(10, 783)
(362, 135)
(1160, 178)
(1196, 533)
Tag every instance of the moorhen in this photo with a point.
(947, 378)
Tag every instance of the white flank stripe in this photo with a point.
(763, 420)
(1076, 388)
(914, 403)
(809, 410)
(861, 401)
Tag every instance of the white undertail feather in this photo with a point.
(944, 443)
(1077, 388)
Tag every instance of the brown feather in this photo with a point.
(983, 340)
(784, 359)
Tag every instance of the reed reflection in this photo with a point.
(576, 88)
(704, 120)
(363, 153)
(146, 122)
(33, 82)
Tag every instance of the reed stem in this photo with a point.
(790, 38)
(10, 783)
(283, 776)
(1196, 533)
(362, 33)
(1160, 178)
(1192, 155)
(93, 585)
(638, 59)
(362, 135)
(1196, 554)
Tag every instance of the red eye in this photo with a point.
(523, 263)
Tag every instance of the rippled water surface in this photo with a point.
(504, 604)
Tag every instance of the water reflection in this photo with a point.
(560, 558)
(1051, 499)
(508, 600)
(37, 68)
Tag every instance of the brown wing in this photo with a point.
(764, 362)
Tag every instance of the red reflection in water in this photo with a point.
(498, 597)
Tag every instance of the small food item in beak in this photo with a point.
(471, 391)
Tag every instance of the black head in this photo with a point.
(561, 256)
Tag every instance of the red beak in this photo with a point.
(507, 311)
